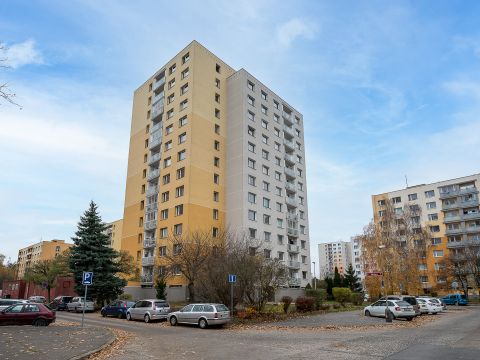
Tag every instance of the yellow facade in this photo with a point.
(205, 130)
(114, 231)
(44, 250)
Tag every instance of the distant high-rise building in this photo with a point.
(212, 147)
(331, 255)
(114, 232)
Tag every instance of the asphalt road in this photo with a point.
(452, 335)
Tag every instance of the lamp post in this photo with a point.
(314, 278)
(382, 247)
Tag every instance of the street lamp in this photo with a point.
(381, 247)
(314, 278)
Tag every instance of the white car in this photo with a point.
(429, 306)
(399, 309)
(77, 305)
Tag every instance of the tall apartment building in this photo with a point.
(44, 250)
(356, 247)
(210, 147)
(334, 254)
(449, 209)
(114, 232)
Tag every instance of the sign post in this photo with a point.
(232, 279)
(87, 279)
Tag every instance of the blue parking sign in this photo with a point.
(232, 278)
(87, 278)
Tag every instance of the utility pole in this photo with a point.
(314, 278)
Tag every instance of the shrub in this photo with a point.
(325, 307)
(304, 304)
(286, 300)
(356, 298)
(125, 296)
(318, 294)
(342, 295)
(248, 313)
(336, 306)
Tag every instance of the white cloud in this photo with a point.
(21, 54)
(464, 88)
(294, 28)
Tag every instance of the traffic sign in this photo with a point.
(232, 278)
(454, 285)
(87, 278)
(374, 273)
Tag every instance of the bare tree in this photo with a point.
(5, 92)
(463, 265)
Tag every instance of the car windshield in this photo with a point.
(463, 296)
(161, 304)
(410, 300)
(221, 307)
(403, 303)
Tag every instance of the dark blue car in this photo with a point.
(455, 299)
(118, 308)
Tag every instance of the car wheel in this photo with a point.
(456, 303)
(146, 318)
(103, 313)
(40, 322)
(173, 321)
(409, 318)
(367, 313)
(76, 310)
(202, 323)
(120, 316)
(129, 317)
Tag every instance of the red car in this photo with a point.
(27, 314)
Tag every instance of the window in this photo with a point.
(429, 193)
(439, 266)
(266, 219)
(267, 236)
(250, 85)
(251, 163)
(276, 104)
(170, 114)
(297, 132)
(396, 200)
(170, 98)
(215, 232)
(144, 175)
(181, 173)
(183, 121)
(184, 89)
(168, 145)
(169, 129)
(171, 83)
(280, 239)
(167, 162)
(216, 179)
(217, 129)
(437, 253)
(436, 241)
(412, 197)
(217, 68)
(251, 116)
(276, 132)
(217, 113)
(422, 267)
(217, 83)
(183, 104)
(278, 161)
(216, 161)
(264, 110)
(264, 139)
(431, 205)
(278, 176)
(146, 143)
(172, 69)
(266, 203)
(302, 230)
(264, 124)
(265, 170)
(278, 191)
(432, 217)
(185, 58)
(216, 196)
(181, 155)
(251, 147)
(298, 145)
(435, 228)
(251, 180)
(276, 118)
(179, 191)
(250, 100)
(276, 146)
(182, 138)
(279, 207)
(252, 233)
(252, 215)
(163, 232)
(300, 186)
(217, 98)
(266, 186)
(215, 214)
(280, 223)
(185, 73)
(166, 179)
(381, 202)
(179, 210)
(265, 154)
(177, 229)
(264, 95)
(164, 214)
(301, 214)
(162, 251)
(251, 131)
(165, 196)
(303, 244)
(252, 198)
(300, 200)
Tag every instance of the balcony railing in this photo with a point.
(152, 174)
(471, 216)
(147, 279)
(150, 225)
(151, 207)
(289, 144)
(472, 229)
(155, 127)
(460, 230)
(460, 204)
(158, 83)
(291, 201)
(458, 192)
(154, 158)
(289, 158)
(292, 216)
(288, 118)
(294, 282)
(148, 261)
(289, 172)
(290, 187)
(292, 232)
(158, 97)
(293, 264)
(149, 242)
(152, 190)
(289, 131)
(450, 219)
(154, 142)
(293, 248)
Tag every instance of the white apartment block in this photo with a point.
(266, 189)
(334, 254)
(357, 258)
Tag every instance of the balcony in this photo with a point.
(152, 191)
(288, 118)
(158, 98)
(289, 145)
(289, 159)
(460, 230)
(291, 201)
(293, 248)
(290, 187)
(148, 260)
(293, 264)
(451, 219)
(158, 83)
(156, 127)
(292, 232)
(289, 172)
(288, 131)
(472, 229)
(151, 208)
(153, 174)
(468, 203)
(147, 279)
(149, 242)
(293, 282)
(155, 142)
(292, 216)
(157, 109)
(458, 192)
(471, 216)
(154, 158)
(150, 225)
(460, 204)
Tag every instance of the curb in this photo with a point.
(94, 351)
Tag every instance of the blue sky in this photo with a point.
(387, 89)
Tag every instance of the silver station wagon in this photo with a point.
(203, 315)
(148, 310)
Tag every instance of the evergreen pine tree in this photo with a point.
(337, 279)
(91, 252)
(351, 279)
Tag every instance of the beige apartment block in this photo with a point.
(331, 255)
(450, 210)
(44, 250)
(181, 162)
(114, 232)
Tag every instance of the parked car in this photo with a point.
(117, 308)
(455, 299)
(77, 304)
(429, 306)
(203, 315)
(438, 301)
(27, 314)
(399, 308)
(5, 303)
(60, 303)
(148, 310)
(408, 298)
(37, 299)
